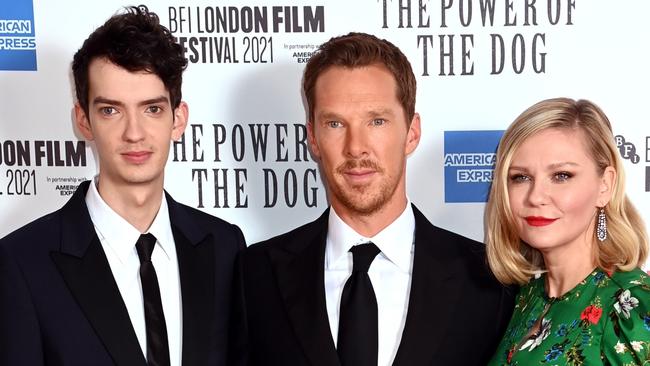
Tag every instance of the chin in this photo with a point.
(141, 178)
(542, 245)
(366, 205)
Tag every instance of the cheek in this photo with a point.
(166, 136)
(324, 159)
(389, 151)
(102, 141)
(577, 202)
(329, 149)
(398, 162)
(516, 196)
(158, 133)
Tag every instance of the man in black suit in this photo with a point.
(427, 297)
(122, 274)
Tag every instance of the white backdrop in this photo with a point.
(247, 62)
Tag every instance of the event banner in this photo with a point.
(244, 156)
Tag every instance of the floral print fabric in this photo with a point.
(604, 320)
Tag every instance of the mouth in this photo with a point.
(359, 171)
(539, 220)
(136, 157)
(359, 175)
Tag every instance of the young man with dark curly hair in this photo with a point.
(122, 274)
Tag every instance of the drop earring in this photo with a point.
(601, 227)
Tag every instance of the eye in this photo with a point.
(334, 124)
(154, 109)
(519, 178)
(562, 176)
(378, 122)
(107, 111)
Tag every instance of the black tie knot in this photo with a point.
(362, 256)
(144, 246)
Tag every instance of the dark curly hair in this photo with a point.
(357, 50)
(136, 41)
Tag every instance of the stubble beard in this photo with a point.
(363, 199)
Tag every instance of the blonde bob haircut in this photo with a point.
(515, 262)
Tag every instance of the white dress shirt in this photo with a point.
(118, 239)
(390, 274)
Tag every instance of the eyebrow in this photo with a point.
(373, 113)
(380, 112)
(550, 166)
(103, 100)
(328, 115)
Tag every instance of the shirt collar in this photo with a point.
(118, 233)
(395, 241)
(161, 228)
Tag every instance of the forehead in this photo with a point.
(109, 80)
(553, 145)
(358, 84)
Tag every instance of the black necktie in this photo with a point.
(157, 345)
(357, 339)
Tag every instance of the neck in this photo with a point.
(137, 204)
(369, 225)
(566, 268)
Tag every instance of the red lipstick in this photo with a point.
(539, 220)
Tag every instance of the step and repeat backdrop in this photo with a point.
(244, 155)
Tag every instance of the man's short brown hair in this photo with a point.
(357, 50)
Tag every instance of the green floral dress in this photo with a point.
(604, 320)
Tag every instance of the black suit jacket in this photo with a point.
(456, 315)
(60, 305)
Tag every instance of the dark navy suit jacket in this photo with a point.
(60, 305)
(456, 314)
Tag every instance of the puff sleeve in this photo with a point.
(626, 337)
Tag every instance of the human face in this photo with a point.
(555, 189)
(361, 137)
(131, 121)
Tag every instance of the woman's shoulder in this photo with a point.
(622, 291)
(628, 280)
(531, 291)
(627, 336)
(632, 293)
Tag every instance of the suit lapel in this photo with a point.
(85, 269)
(434, 290)
(196, 271)
(299, 267)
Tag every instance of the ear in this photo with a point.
(83, 123)
(606, 189)
(413, 135)
(311, 138)
(181, 115)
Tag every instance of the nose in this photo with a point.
(356, 142)
(537, 193)
(133, 128)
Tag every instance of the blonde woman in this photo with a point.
(560, 225)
